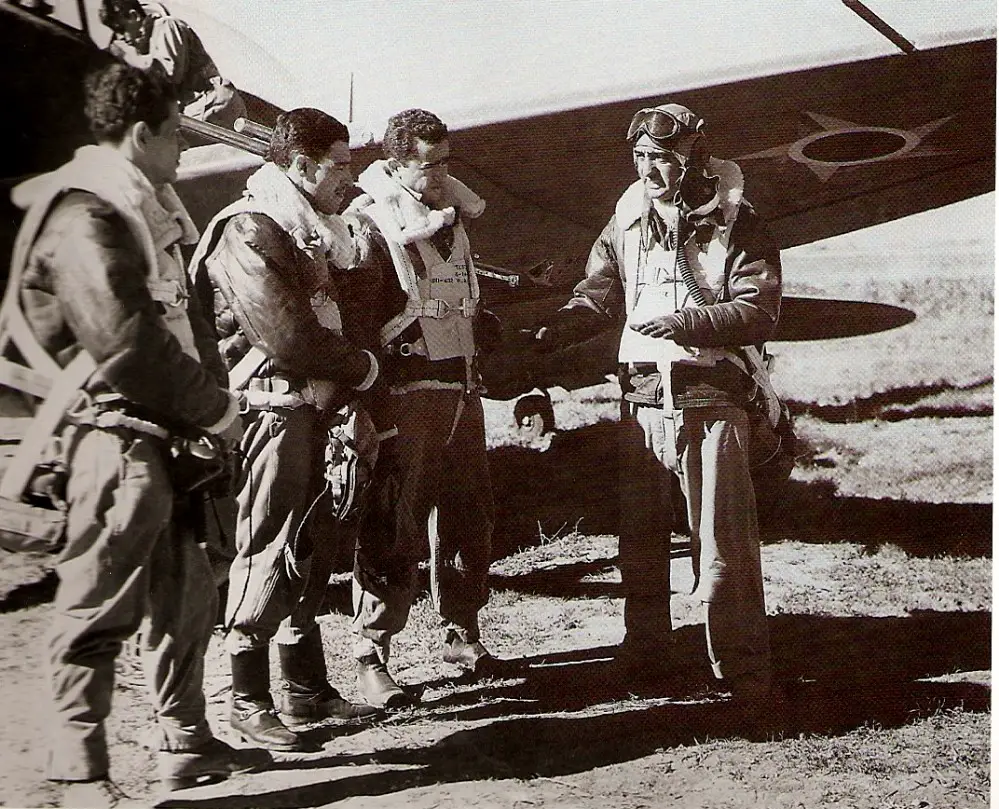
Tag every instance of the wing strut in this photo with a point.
(879, 25)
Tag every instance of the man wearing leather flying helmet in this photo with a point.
(687, 270)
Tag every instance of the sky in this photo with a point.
(474, 60)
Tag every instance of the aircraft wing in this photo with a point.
(837, 125)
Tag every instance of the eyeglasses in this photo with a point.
(437, 164)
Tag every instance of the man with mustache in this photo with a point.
(271, 261)
(689, 270)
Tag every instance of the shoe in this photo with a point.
(99, 794)
(474, 657)
(296, 710)
(213, 761)
(261, 727)
(378, 688)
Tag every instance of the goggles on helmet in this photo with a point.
(663, 123)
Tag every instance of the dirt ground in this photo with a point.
(883, 650)
(879, 592)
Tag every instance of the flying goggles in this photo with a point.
(664, 122)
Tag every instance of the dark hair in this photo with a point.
(307, 131)
(113, 12)
(118, 96)
(406, 128)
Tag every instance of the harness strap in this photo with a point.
(109, 419)
(240, 373)
(65, 388)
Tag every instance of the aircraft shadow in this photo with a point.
(574, 485)
(839, 674)
(899, 404)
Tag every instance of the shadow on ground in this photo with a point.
(574, 485)
(838, 673)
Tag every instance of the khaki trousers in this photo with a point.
(280, 478)
(431, 497)
(125, 564)
(707, 448)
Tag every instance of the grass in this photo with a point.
(878, 581)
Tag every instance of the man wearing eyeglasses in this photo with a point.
(431, 494)
(688, 268)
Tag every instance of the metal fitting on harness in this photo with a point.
(110, 419)
(437, 309)
(417, 348)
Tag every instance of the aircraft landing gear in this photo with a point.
(534, 414)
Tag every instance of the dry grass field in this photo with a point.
(878, 582)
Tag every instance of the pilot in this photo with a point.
(273, 261)
(687, 268)
(147, 36)
(433, 496)
(98, 255)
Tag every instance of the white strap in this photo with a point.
(240, 373)
(20, 377)
(64, 390)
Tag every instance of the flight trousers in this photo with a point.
(283, 561)
(707, 448)
(126, 566)
(431, 498)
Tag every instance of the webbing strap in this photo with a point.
(240, 373)
(64, 390)
(20, 377)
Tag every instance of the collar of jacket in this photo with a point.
(105, 172)
(321, 236)
(634, 203)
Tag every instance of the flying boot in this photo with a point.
(213, 761)
(306, 695)
(253, 715)
(376, 684)
(463, 648)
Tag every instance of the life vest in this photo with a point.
(158, 231)
(444, 302)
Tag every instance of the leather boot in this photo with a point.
(377, 686)
(474, 657)
(213, 761)
(253, 714)
(306, 695)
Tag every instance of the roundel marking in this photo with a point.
(853, 147)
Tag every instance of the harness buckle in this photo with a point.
(436, 308)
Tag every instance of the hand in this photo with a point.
(449, 215)
(488, 332)
(662, 327)
(522, 339)
(231, 435)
